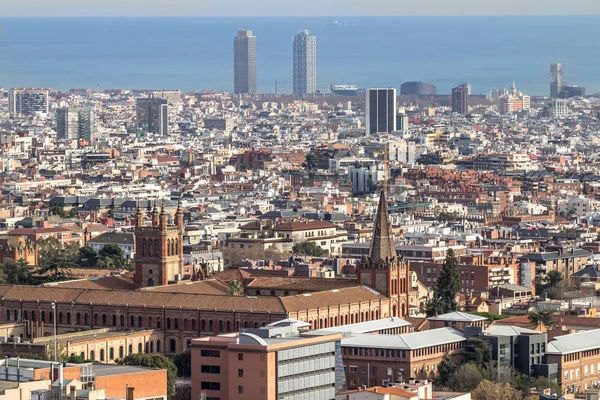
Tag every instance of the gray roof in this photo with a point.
(365, 327)
(457, 316)
(509, 330)
(575, 342)
(409, 341)
(122, 238)
(279, 214)
(587, 272)
(108, 370)
(549, 256)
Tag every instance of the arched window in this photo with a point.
(228, 326)
(114, 320)
(139, 347)
(210, 325)
(92, 355)
(111, 353)
(16, 315)
(150, 325)
(143, 247)
(86, 318)
(149, 249)
(131, 321)
(78, 318)
(156, 247)
(158, 346)
(168, 323)
(33, 315)
(60, 317)
(101, 354)
(95, 318)
(43, 316)
(69, 318)
(245, 324)
(256, 325)
(122, 320)
(176, 322)
(176, 247)
(172, 345)
(121, 350)
(151, 347)
(103, 319)
(186, 324)
(140, 323)
(220, 326)
(193, 324)
(158, 322)
(168, 247)
(130, 349)
(203, 325)
(7, 314)
(150, 282)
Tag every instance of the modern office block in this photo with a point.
(152, 116)
(557, 79)
(74, 123)
(305, 63)
(460, 99)
(244, 62)
(418, 89)
(28, 101)
(380, 110)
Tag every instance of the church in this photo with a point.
(185, 310)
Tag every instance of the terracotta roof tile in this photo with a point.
(329, 298)
(300, 284)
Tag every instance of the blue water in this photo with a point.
(196, 53)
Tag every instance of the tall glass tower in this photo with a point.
(305, 63)
(557, 79)
(244, 62)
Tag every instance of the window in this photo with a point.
(168, 323)
(240, 373)
(210, 353)
(111, 353)
(121, 350)
(158, 346)
(176, 322)
(240, 389)
(101, 354)
(210, 369)
(103, 319)
(114, 320)
(172, 345)
(131, 321)
(353, 368)
(140, 321)
(240, 356)
(43, 316)
(210, 386)
(130, 349)
(139, 347)
(78, 319)
(122, 320)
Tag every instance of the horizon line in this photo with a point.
(303, 16)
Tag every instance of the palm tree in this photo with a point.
(545, 317)
(235, 288)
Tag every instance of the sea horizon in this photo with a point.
(196, 53)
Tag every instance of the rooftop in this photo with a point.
(457, 316)
(409, 341)
(575, 342)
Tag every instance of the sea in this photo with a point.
(197, 53)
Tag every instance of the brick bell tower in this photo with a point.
(158, 248)
(383, 270)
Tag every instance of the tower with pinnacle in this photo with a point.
(383, 270)
(158, 248)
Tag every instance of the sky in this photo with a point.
(253, 8)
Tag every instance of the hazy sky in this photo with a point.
(30, 8)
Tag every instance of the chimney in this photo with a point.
(73, 393)
(129, 395)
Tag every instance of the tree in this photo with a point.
(235, 288)
(545, 317)
(554, 278)
(60, 211)
(487, 390)
(183, 362)
(87, 257)
(73, 359)
(154, 361)
(446, 370)
(112, 255)
(466, 378)
(56, 259)
(444, 295)
(16, 273)
(525, 383)
(307, 248)
(478, 351)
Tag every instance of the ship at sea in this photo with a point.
(336, 22)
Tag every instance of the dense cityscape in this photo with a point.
(359, 243)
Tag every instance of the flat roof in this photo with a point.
(509, 330)
(457, 316)
(409, 341)
(109, 369)
(365, 327)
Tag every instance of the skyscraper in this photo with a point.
(305, 63)
(557, 79)
(460, 99)
(244, 62)
(152, 115)
(74, 123)
(28, 101)
(381, 110)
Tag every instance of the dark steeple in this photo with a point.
(382, 244)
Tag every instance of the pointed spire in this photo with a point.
(382, 244)
(163, 211)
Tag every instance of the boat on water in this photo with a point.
(336, 22)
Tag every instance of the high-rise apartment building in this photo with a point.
(74, 123)
(557, 79)
(381, 110)
(460, 99)
(244, 62)
(274, 362)
(152, 115)
(305, 63)
(28, 101)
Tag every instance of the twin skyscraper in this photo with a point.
(304, 63)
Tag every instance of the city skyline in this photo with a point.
(155, 8)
